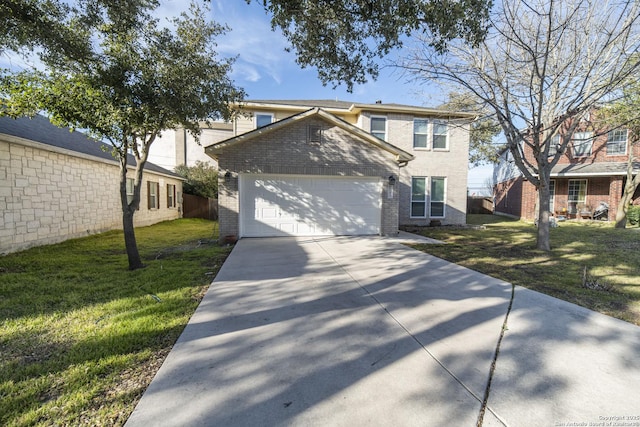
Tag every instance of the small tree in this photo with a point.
(139, 80)
(201, 179)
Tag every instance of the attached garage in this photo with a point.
(298, 205)
(311, 174)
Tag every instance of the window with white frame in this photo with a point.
(617, 142)
(153, 199)
(129, 190)
(171, 196)
(437, 197)
(420, 133)
(440, 140)
(552, 195)
(577, 194)
(418, 197)
(582, 143)
(379, 127)
(263, 119)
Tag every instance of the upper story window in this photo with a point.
(420, 133)
(617, 142)
(440, 136)
(582, 143)
(379, 127)
(263, 119)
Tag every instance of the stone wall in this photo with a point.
(48, 195)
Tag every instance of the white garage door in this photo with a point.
(292, 205)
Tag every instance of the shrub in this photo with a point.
(202, 179)
(633, 215)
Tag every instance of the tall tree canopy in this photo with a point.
(544, 65)
(137, 79)
(344, 39)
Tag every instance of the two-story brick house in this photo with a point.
(333, 167)
(590, 171)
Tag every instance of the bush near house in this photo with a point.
(505, 249)
(633, 215)
(81, 336)
(201, 179)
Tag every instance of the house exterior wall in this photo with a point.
(287, 151)
(178, 147)
(600, 188)
(598, 151)
(48, 196)
(451, 164)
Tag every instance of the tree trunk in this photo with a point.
(542, 242)
(623, 204)
(135, 262)
(630, 186)
(128, 209)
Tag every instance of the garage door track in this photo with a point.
(352, 331)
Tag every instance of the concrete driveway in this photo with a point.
(354, 331)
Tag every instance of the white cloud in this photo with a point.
(251, 39)
(245, 72)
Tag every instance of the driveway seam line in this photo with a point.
(494, 362)
(438, 361)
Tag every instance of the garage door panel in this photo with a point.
(274, 205)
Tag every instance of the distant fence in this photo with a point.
(199, 207)
(479, 205)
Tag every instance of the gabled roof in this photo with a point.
(39, 129)
(355, 108)
(401, 155)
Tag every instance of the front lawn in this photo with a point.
(81, 336)
(505, 249)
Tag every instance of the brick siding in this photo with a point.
(286, 151)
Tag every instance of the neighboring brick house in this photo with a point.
(333, 167)
(56, 184)
(592, 170)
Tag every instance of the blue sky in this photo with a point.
(266, 71)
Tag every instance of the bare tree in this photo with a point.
(544, 65)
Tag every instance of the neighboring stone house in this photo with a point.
(408, 163)
(56, 184)
(591, 171)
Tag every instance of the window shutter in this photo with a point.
(148, 195)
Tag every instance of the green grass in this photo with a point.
(81, 336)
(505, 249)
